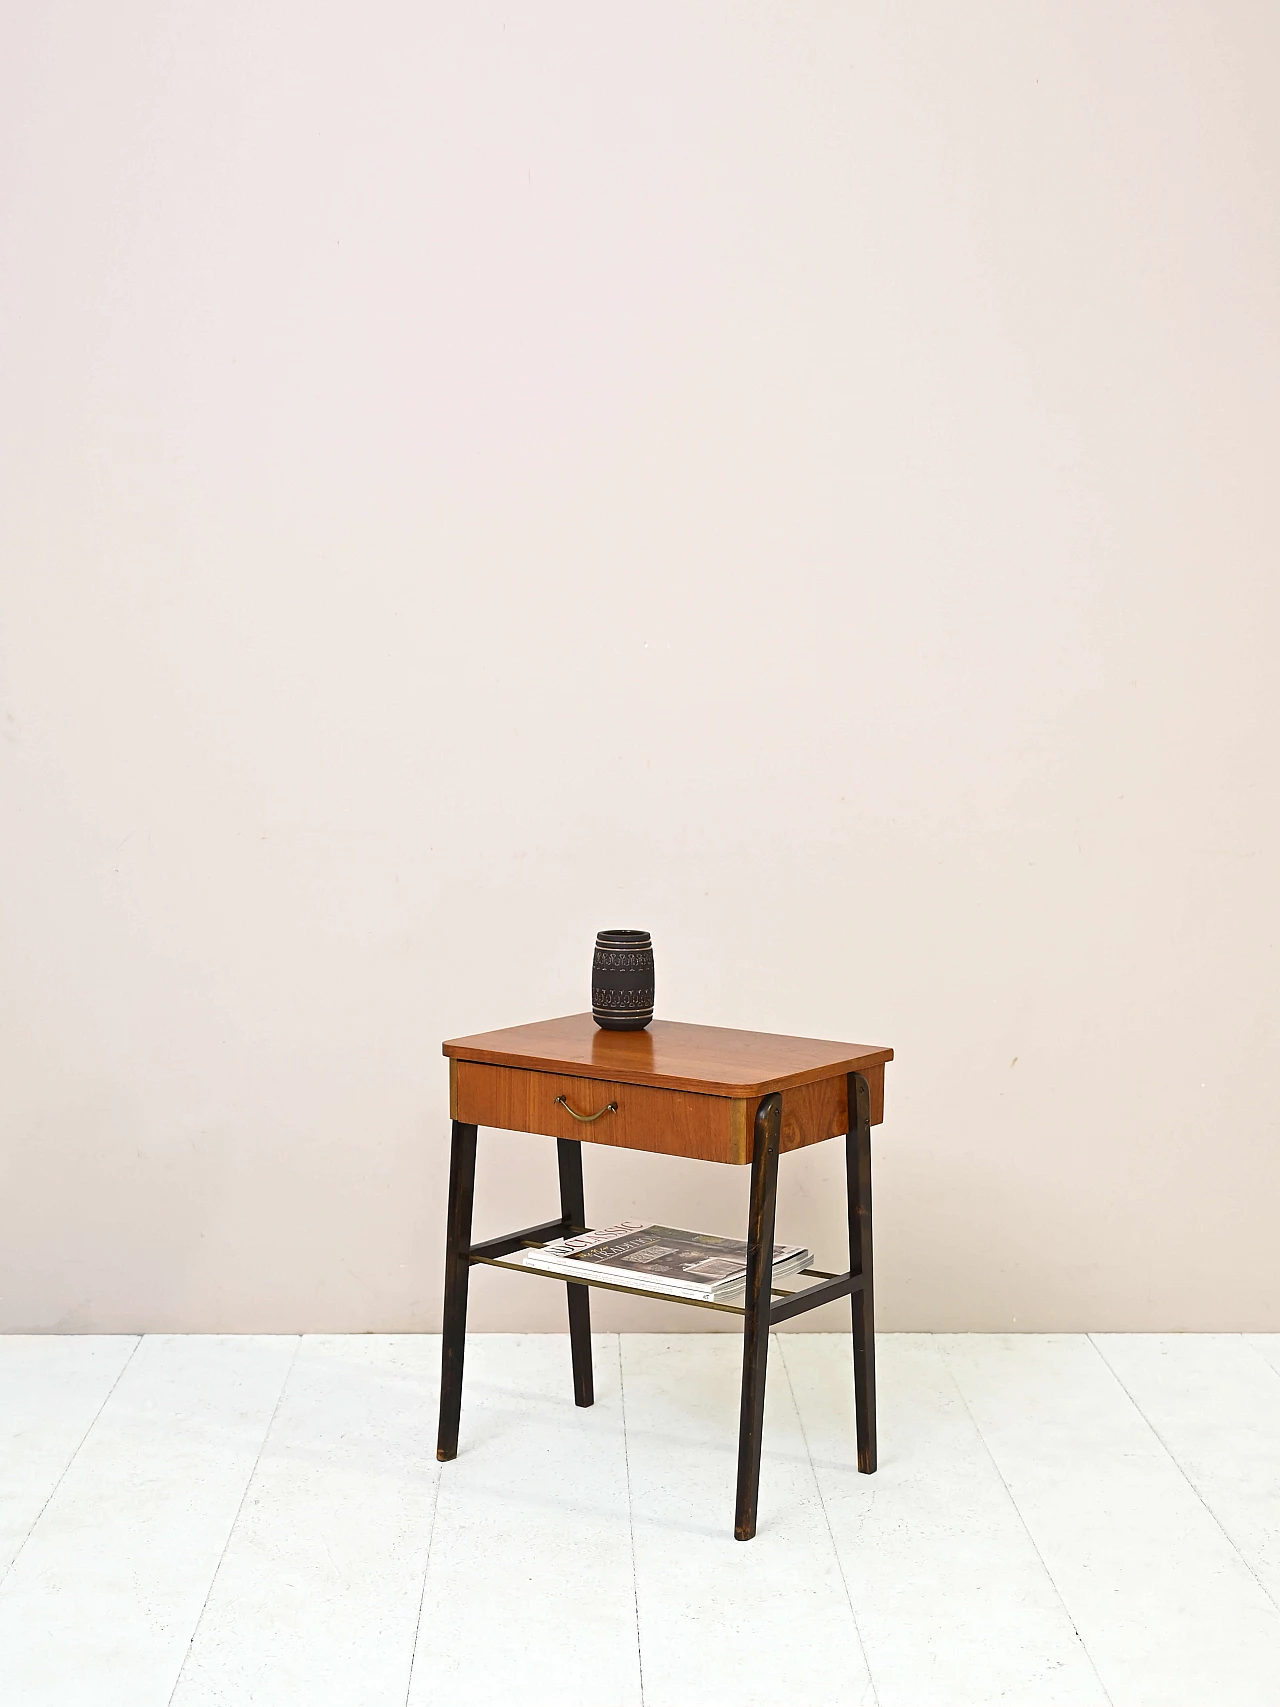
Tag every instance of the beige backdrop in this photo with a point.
(800, 478)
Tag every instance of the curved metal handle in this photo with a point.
(586, 1119)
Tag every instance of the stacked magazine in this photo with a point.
(660, 1259)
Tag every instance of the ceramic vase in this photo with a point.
(622, 980)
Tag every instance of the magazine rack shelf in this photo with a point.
(681, 1090)
(795, 1301)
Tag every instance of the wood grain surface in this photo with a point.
(704, 1058)
(813, 1112)
(648, 1117)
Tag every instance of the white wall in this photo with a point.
(800, 478)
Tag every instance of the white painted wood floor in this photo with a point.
(1057, 1519)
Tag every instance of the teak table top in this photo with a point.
(706, 1058)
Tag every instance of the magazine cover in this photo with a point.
(662, 1253)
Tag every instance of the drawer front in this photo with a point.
(674, 1123)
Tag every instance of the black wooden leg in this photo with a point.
(573, 1208)
(858, 1166)
(457, 1269)
(755, 1326)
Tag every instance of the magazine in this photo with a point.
(660, 1259)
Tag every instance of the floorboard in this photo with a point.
(1215, 1406)
(954, 1603)
(1166, 1607)
(101, 1602)
(316, 1598)
(727, 1623)
(529, 1591)
(1267, 1347)
(258, 1522)
(52, 1386)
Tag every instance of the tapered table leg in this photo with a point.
(858, 1170)
(573, 1208)
(457, 1269)
(755, 1325)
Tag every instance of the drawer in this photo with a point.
(648, 1117)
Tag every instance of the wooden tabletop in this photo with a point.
(706, 1058)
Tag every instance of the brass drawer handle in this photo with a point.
(609, 1108)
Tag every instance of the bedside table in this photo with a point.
(741, 1097)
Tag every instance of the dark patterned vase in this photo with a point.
(622, 980)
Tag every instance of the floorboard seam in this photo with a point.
(262, 1446)
(70, 1461)
(1172, 1457)
(1044, 1563)
(422, 1597)
(1258, 1352)
(826, 1518)
(631, 1517)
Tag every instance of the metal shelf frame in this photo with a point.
(495, 1253)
